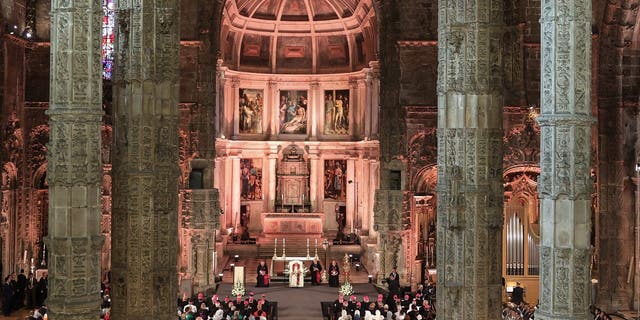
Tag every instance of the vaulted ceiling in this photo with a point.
(299, 36)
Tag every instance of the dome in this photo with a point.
(298, 36)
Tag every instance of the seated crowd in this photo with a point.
(418, 305)
(214, 308)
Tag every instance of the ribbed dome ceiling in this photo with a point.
(310, 36)
(297, 10)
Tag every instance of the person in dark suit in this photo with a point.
(31, 290)
(334, 274)
(316, 269)
(394, 282)
(262, 271)
(517, 296)
(21, 286)
(8, 295)
(43, 289)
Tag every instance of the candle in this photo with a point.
(316, 242)
(276, 242)
(24, 257)
(307, 242)
(283, 242)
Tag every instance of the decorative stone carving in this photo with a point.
(564, 184)
(145, 168)
(469, 186)
(74, 166)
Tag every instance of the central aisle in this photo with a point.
(301, 303)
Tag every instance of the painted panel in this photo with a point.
(293, 111)
(251, 179)
(251, 110)
(335, 179)
(336, 111)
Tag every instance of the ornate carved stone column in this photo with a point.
(388, 222)
(614, 251)
(75, 166)
(470, 133)
(205, 213)
(145, 188)
(565, 183)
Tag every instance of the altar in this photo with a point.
(286, 259)
(277, 224)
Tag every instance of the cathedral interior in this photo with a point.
(481, 142)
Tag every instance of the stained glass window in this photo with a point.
(107, 38)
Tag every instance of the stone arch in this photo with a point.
(425, 180)
(521, 184)
(40, 177)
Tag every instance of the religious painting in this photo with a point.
(251, 108)
(336, 112)
(293, 111)
(335, 179)
(251, 179)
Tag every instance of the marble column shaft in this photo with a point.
(565, 184)
(75, 169)
(470, 191)
(145, 188)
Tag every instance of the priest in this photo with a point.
(262, 275)
(316, 272)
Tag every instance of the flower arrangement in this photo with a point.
(346, 289)
(238, 289)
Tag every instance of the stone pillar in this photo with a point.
(614, 253)
(373, 107)
(565, 183)
(221, 85)
(235, 193)
(315, 178)
(272, 160)
(470, 191)
(205, 213)
(233, 100)
(351, 195)
(356, 122)
(315, 115)
(145, 188)
(374, 184)
(365, 188)
(274, 97)
(75, 168)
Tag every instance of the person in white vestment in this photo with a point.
(296, 274)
